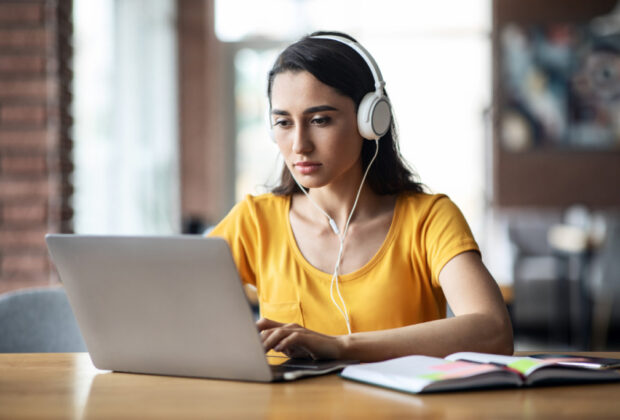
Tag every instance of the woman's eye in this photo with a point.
(320, 120)
(281, 123)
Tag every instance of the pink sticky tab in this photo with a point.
(452, 366)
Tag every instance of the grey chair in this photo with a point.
(536, 310)
(605, 285)
(38, 320)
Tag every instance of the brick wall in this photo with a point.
(35, 143)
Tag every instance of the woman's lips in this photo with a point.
(306, 168)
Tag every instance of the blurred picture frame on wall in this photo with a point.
(561, 84)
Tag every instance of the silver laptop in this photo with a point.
(167, 305)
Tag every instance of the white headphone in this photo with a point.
(374, 114)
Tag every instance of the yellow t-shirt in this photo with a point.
(399, 285)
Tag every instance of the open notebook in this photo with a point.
(466, 370)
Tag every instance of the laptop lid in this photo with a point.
(170, 305)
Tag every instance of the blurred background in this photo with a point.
(149, 117)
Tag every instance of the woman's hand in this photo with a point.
(298, 342)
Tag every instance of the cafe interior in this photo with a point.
(148, 117)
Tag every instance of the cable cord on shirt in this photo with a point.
(341, 237)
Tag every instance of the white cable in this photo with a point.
(331, 221)
(343, 310)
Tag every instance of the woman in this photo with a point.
(350, 258)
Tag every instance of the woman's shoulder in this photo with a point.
(431, 210)
(264, 204)
(253, 211)
(266, 200)
(423, 202)
(425, 208)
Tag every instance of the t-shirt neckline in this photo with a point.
(315, 272)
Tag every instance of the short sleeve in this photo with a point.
(447, 234)
(239, 229)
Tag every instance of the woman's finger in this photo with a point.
(295, 345)
(265, 334)
(296, 341)
(265, 323)
(274, 336)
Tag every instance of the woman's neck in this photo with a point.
(339, 203)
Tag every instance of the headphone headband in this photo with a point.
(372, 64)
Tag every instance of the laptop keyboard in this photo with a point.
(297, 364)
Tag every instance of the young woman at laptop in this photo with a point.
(351, 258)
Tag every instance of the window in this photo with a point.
(257, 164)
(126, 175)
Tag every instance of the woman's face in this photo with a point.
(315, 128)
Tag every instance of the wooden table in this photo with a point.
(68, 386)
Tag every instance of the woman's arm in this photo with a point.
(481, 324)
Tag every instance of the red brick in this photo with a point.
(59, 214)
(15, 239)
(13, 190)
(17, 281)
(22, 64)
(18, 12)
(24, 264)
(24, 140)
(24, 38)
(26, 114)
(27, 164)
(57, 165)
(24, 214)
(28, 89)
(33, 197)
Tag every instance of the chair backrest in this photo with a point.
(610, 258)
(527, 232)
(38, 320)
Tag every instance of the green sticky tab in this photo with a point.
(432, 376)
(523, 365)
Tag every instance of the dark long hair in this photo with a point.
(339, 66)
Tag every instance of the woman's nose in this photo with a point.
(301, 141)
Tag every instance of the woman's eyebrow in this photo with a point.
(310, 110)
(319, 109)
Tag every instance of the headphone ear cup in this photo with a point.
(374, 116)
